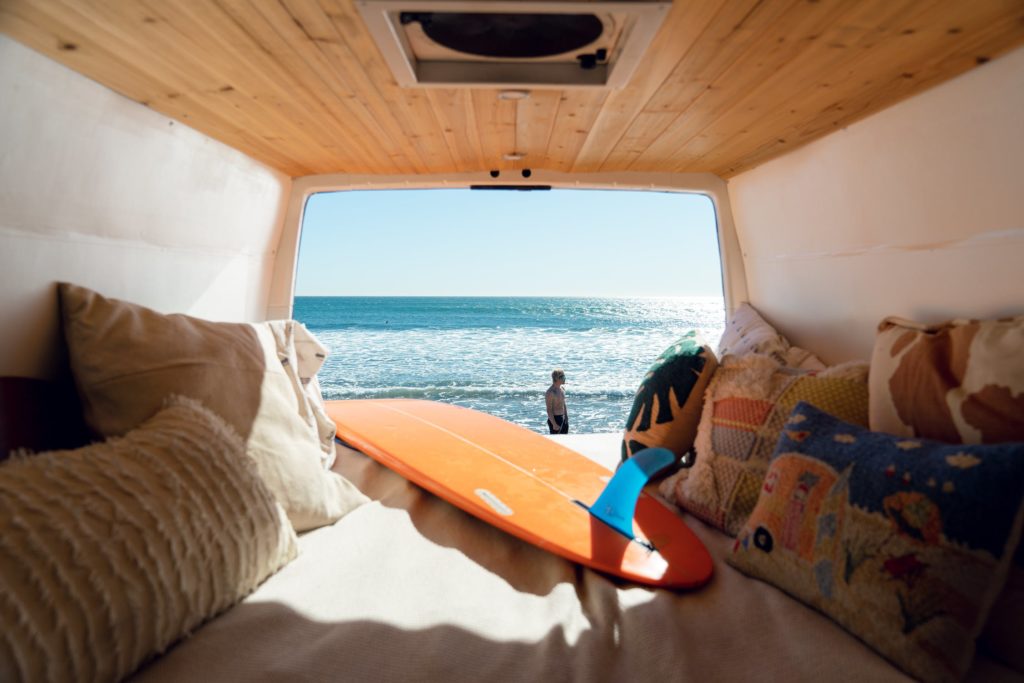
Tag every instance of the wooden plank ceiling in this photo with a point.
(726, 85)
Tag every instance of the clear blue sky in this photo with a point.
(505, 243)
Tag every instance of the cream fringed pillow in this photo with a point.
(125, 358)
(112, 552)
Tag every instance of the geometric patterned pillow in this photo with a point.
(746, 405)
(959, 382)
(903, 542)
(667, 405)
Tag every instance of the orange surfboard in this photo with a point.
(523, 483)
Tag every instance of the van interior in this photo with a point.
(174, 504)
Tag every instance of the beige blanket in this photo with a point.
(408, 588)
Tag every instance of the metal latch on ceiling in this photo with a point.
(528, 44)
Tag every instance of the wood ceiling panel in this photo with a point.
(745, 93)
(77, 43)
(324, 43)
(726, 85)
(250, 61)
(456, 114)
(684, 24)
(423, 134)
(496, 128)
(273, 28)
(858, 78)
(535, 119)
(577, 114)
(710, 88)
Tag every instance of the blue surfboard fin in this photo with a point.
(617, 503)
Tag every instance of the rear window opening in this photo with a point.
(473, 298)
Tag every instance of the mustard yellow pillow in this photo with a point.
(746, 405)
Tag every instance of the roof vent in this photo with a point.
(521, 44)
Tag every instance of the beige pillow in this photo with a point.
(112, 552)
(961, 381)
(125, 358)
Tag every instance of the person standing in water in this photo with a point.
(558, 414)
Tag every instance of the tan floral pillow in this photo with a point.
(961, 381)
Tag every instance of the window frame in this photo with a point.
(282, 284)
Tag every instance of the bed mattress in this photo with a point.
(410, 588)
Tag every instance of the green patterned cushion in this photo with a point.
(904, 542)
(746, 405)
(668, 403)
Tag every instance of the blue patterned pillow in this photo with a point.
(904, 542)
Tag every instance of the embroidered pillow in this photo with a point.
(112, 552)
(747, 332)
(125, 358)
(668, 403)
(904, 542)
(746, 405)
(959, 382)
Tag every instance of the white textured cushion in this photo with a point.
(126, 358)
(747, 332)
(112, 552)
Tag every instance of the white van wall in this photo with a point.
(917, 211)
(98, 190)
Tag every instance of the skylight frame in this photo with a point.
(382, 21)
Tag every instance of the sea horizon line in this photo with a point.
(509, 296)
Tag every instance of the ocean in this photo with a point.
(495, 354)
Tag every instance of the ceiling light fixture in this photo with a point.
(514, 156)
